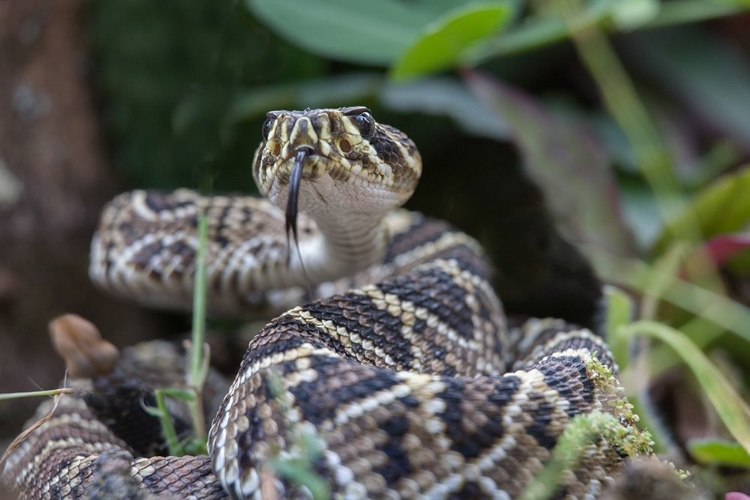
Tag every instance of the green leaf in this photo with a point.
(443, 42)
(534, 33)
(619, 313)
(320, 93)
(631, 14)
(564, 158)
(717, 452)
(445, 96)
(694, 11)
(537, 32)
(363, 31)
(433, 96)
(154, 412)
(729, 406)
(722, 207)
(181, 394)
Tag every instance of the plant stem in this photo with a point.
(167, 426)
(199, 304)
(32, 394)
(198, 358)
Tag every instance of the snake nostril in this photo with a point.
(277, 149)
(345, 146)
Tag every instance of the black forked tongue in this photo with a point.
(292, 201)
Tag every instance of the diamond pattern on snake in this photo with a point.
(390, 350)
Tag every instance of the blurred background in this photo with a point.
(582, 142)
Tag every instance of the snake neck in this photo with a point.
(345, 244)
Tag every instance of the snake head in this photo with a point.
(345, 161)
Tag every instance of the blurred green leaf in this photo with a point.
(565, 160)
(717, 452)
(535, 32)
(631, 14)
(709, 76)
(445, 96)
(443, 42)
(730, 407)
(181, 394)
(432, 96)
(365, 31)
(348, 89)
(666, 268)
(721, 207)
(699, 301)
(619, 313)
(690, 11)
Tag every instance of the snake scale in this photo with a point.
(401, 366)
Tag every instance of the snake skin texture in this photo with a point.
(401, 368)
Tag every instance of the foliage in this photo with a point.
(629, 116)
(169, 71)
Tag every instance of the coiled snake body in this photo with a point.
(403, 371)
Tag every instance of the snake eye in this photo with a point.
(267, 125)
(365, 124)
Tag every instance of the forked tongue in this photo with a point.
(293, 198)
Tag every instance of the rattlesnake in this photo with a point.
(401, 367)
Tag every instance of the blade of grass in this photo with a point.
(701, 302)
(199, 358)
(165, 420)
(716, 452)
(730, 407)
(199, 304)
(59, 393)
(619, 313)
(666, 268)
(661, 358)
(197, 364)
(33, 394)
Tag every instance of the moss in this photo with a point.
(624, 432)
